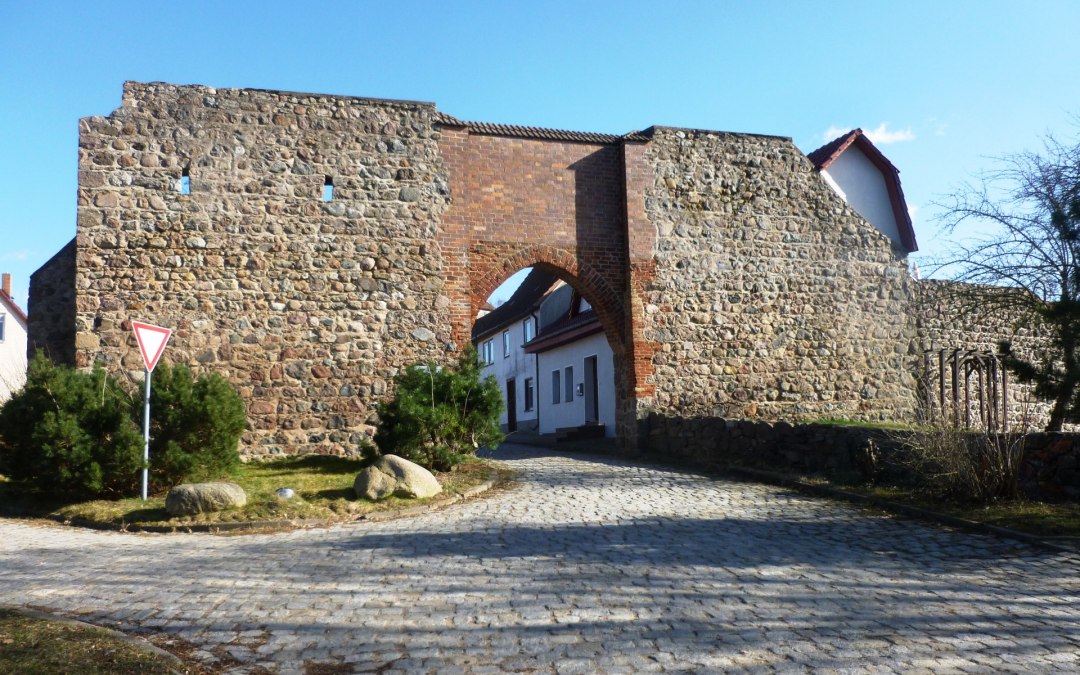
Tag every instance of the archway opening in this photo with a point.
(546, 344)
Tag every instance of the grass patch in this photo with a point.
(31, 645)
(323, 487)
(1044, 519)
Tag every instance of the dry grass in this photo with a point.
(31, 645)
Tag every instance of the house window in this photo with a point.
(185, 182)
(2, 317)
(530, 328)
(506, 343)
(569, 382)
(556, 386)
(328, 189)
(529, 393)
(487, 353)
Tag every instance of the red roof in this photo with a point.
(12, 307)
(828, 153)
(565, 331)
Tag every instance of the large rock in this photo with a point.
(191, 498)
(392, 475)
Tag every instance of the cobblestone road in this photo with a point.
(591, 565)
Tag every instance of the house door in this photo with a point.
(592, 392)
(511, 405)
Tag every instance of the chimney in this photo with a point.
(7, 284)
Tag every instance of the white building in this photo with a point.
(549, 354)
(499, 335)
(864, 178)
(574, 365)
(12, 342)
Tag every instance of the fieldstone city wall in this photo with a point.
(309, 306)
(730, 280)
(951, 316)
(772, 298)
(51, 319)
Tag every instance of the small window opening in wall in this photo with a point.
(328, 189)
(185, 182)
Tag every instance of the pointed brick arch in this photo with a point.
(487, 274)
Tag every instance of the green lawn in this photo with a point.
(323, 487)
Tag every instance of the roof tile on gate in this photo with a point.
(539, 133)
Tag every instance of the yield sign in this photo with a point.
(152, 340)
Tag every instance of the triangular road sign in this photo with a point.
(152, 340)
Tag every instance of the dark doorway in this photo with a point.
(592, 392)
(511, 405)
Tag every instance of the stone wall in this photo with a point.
(771, 298)
(804, 448)
(310, 306)
(950, 316)
(1050, 469)
(51, 308)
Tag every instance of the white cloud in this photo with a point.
(15, 255)
(880, 136)
(884, 136)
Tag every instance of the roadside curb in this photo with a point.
(292, 523)
(177, 665)
(786, 480)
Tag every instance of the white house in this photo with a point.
(499, 335)
(864, 178)
(575, 366)
(12, 342)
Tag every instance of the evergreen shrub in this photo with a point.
(195, 426)
(441, 414)
(70, 434)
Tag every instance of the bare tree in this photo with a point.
(1032, 202)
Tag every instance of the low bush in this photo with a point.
(963, 465)
(70, 434)
(439, 415)
(195, 426)
(78, 435)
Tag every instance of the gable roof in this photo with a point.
(828, 153)
(15, 310)
(524, 300)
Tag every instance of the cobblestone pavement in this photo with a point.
(591, 565)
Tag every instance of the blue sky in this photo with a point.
(954, 83)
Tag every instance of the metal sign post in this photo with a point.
(146, 435)
(152, 341)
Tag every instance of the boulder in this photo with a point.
(191, 498)
(393, 475)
